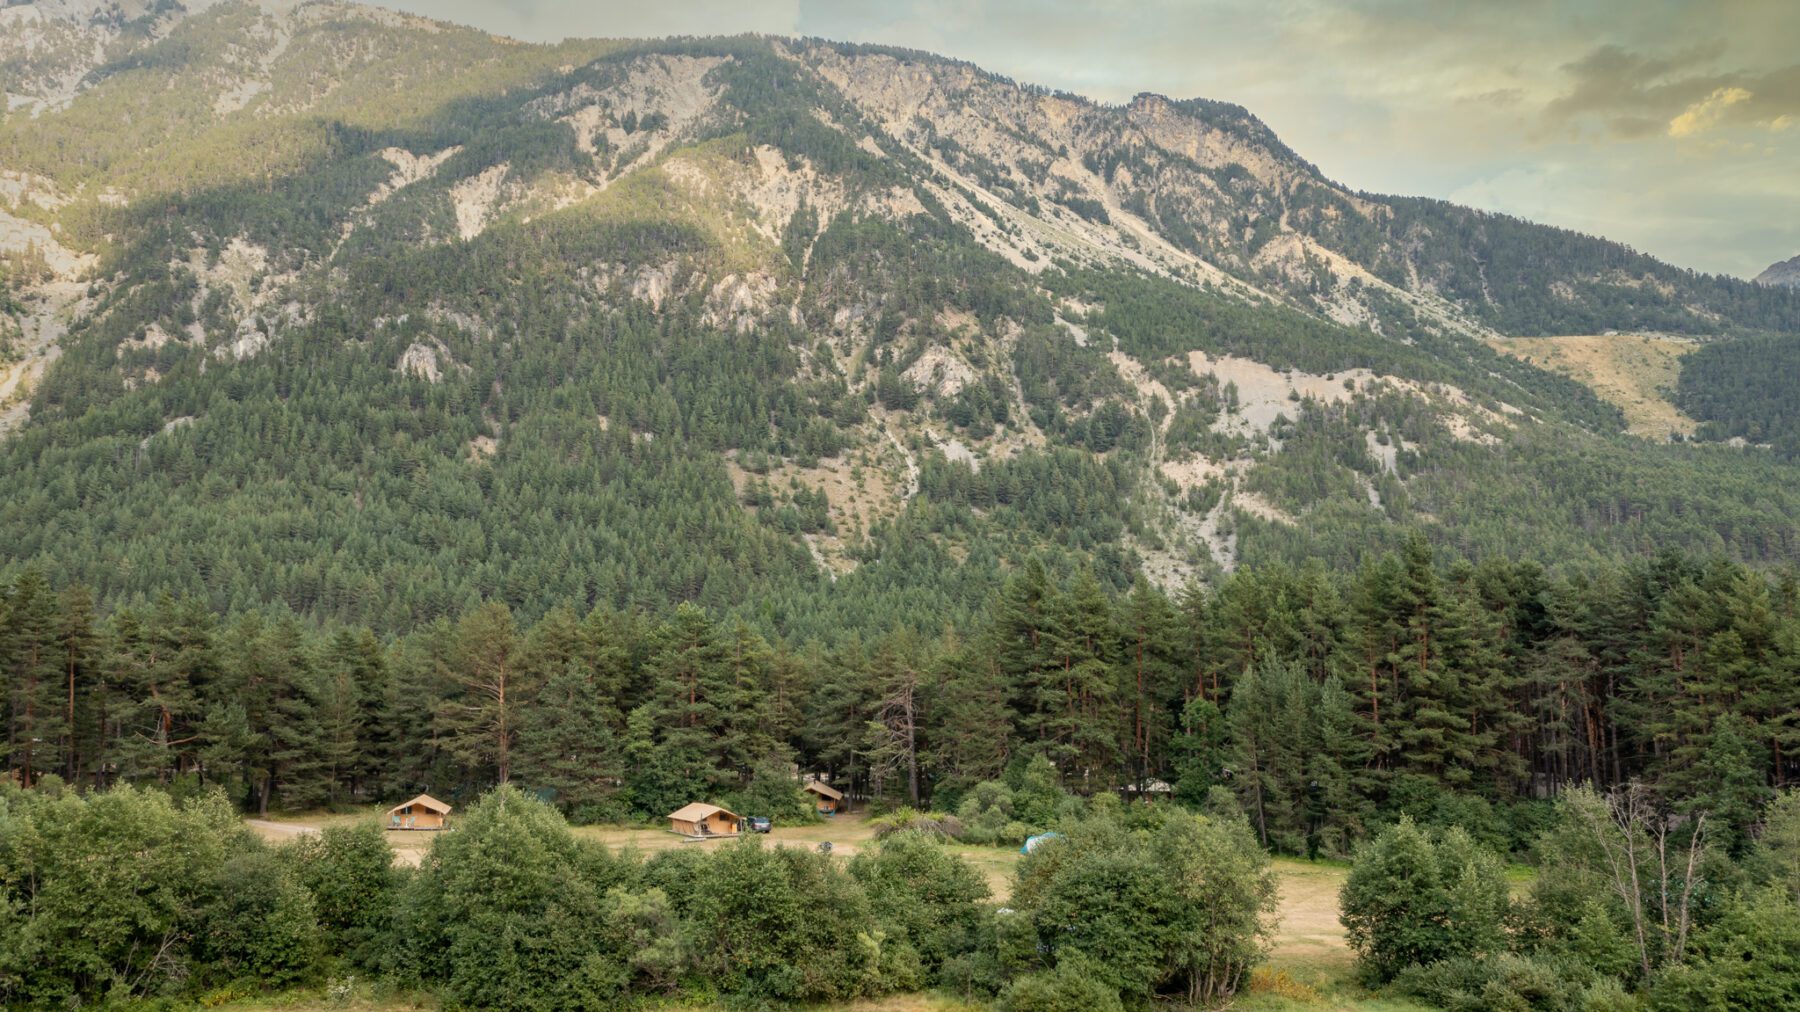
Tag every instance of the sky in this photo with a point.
(1670, 125)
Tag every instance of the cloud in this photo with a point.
(1702, 115)
(1635, 95)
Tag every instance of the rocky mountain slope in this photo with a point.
(1785, 274)
(370, 314)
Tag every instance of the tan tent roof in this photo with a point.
(697, 811)
(424, 801)
(818, 788)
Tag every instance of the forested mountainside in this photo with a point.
(375, 318)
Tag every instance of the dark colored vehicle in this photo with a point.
(758, 823)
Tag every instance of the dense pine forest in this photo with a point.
(1328, 705)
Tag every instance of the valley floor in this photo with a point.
(1310, 966)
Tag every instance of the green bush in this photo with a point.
(987, 818)
(261, 924)
(1775, 859)
(643, 934)
(1501, 982)
(101, 896)
(910, 820)
(923, 895)
(1072, 987)
(780, 923)
(1748, 959)
(1183, 909)
(350, 873)
(773, 792)
(503, 915)
(1413, 899)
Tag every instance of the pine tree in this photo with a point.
(1076, 721)
(1730, 782)
(1271, 722)
(31, 659)
(1430, 660)
(167, 665)
(567, 743)
(77, 638)
(973, 725)
(1149, 673)
(479, 719)
(691, 693)
(892, 743)
(1201, 751)
(356, 664)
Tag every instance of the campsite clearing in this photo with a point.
(1310, 966)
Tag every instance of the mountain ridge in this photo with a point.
(845, 296)
(1785, 273)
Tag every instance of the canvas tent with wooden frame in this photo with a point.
(422, 812)
(700, 821)
(830, 800)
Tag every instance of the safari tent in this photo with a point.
(422, 812)
(829, 799)
(703, 822)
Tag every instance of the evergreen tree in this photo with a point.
(478, 719)
(31, 658)
(1149, 681)
(568, 745)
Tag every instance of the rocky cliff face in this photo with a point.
(1785, 274)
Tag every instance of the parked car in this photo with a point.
(759, 823)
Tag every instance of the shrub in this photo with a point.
(503, 915)
(1748, 959)
(99, 895)
(1072, 987)
(1776, 856)
(911, 820)
(1598, 941)
(772, 791)
(349, 871)
(642, 935)
(1501, 982)
(1182, 909)
(1412, 899)
(986, 815)
(924, 895)
(260, 925)
(786, 924)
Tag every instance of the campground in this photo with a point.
(1310, 966)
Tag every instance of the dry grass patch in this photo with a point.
(1633, 373)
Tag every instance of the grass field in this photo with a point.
(1635, 373)
(1310, 967)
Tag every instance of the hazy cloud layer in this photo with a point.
(1672, 125)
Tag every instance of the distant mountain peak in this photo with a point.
(1785, 274)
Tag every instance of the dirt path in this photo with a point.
(280, 830)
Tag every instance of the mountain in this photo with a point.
(375, 316)
(1785, 274)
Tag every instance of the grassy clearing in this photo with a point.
(1310, 965)
(1636, 374)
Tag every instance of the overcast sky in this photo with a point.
(1667, 124)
